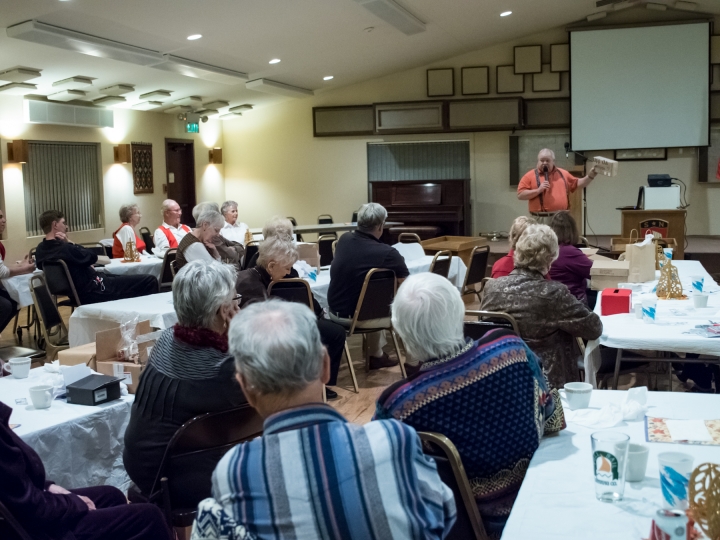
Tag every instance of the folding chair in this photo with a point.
(441, 263)
(450, 468)
(147, 238)
(486, 321)
(166, 273)
(251, 251)
(334, 245)
(325, 247)
(13, 524)
(96, 247)
(54, 331)
(476, 270)
(59, 282)
(294, 222)
(293, 290)
(354, 216)
(408, 238)
(173, 268)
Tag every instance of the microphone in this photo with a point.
(567, 149)
(545, 172)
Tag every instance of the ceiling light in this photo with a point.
(74, 82)
(67, 95)
(206, 112)
(274, 87)
(147, 105)
(327, 78)
(17, 89)
(687, 6)
(395, 15)
(506, 13)
(117, 90)
(194, 37)
(19, 74)
(239, 108)
(178, 109)
(156, 94)
(200, 70)
(228, 116)
(274, 61)
(217, 104)
(191, 101)
(109, 101)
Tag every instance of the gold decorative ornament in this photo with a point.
(131, 253)
(669, 286)
(704, 500)
(660, 257)
(248, 236)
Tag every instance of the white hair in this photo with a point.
(276, 346)
(518, 227)
(428, 314)
(278, 226)
(165, 206)
(546, 151)
(280, 249)
(203, 207)
(127, 211)
(536, 249)
(200, 288)
(227, 206)
(371, 216)
(211, 217)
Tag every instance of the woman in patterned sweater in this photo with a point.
(489, 397)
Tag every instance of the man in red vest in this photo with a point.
(168, 235)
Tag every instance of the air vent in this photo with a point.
(274, 87)
(395, 15)
(42, 112)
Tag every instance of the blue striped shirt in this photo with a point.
(314, 475)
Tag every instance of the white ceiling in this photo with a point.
(314, 38)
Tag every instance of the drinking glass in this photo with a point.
(609, 451)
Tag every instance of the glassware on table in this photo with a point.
(609, 452)
(675, 470)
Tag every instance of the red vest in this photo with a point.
(118, 250)
(171, 237)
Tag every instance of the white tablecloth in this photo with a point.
(557, 498)
(79, 445)
(18, 287)
(674, 318)
(148, 265)
(92, 318)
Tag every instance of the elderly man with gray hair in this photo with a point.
(171, 232)
(326, 477)
(467, 380)
(231, 252)
(199, 244)
(355, 255)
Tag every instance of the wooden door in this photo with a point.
(180, 162)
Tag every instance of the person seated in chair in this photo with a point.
(356, 254)
(8, 306)
(49, 512)
(130, 218)
(572, 267)
(276, 256)
(504, 265)
(189, 373)
(280, 227)
(171, 232)
(92, 287)
(231, 252)
(233, 230)
(465, 380)
(326, 478)
(199, 244)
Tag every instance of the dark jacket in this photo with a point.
(22, 490)
(572, 268)
(78, 259)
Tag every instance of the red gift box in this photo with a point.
(615, 301)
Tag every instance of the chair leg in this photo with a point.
(366, 354)
(616, 375)
(351, 368)
(397, 351)
(324, 395)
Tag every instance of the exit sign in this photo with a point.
(192, 127)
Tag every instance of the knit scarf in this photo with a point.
(201, 337)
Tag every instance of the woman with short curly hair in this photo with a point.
(130, 217)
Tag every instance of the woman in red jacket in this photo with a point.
(505, 265)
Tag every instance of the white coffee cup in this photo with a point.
(700, 300)
(41, 396)
(638, 310)
(637, 462)
(19, 367)
(578, 394)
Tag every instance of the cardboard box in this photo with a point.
(93, 390)
(107, 343)
(310, 253)
(616, 301)
(607, 273)
(84, 354)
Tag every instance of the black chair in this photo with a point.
(325, 248)
(97, 248)
(292, 290)
(166, 273)
(59, 283)
(6, 353)
(147, 238)
(486, 321)
(12, 524)
(354, 217)
(211, 433)
(476, 270)
(294, 222)
(325, 219)
(251, 253)
(450, 468)
(440, 264)
(53, 329)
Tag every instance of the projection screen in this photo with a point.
(643, 87)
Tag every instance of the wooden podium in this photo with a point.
(642, 219)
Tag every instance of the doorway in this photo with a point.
(180, 165)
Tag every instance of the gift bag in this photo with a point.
(641, 257)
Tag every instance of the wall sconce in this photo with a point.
(215, 155)
(17, 151)
(122, 153)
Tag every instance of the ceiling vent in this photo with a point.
(42, 112)
(67, 95)
(117, 90)
(395, 15)
(19, 74)
(200, 70)
(274, 87)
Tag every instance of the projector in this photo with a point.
(659, 180)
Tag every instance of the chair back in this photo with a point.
(147, 238)
(440, 264)
(376, 296)
(334, 245)
(486, 321)
(292, 290)
(325, 247)
(251, 251)
(166, 274)
(173, 268)
(478, 265)
(408, 238)
(324, 219)
(96, 247)
(294, 222)
(354, 217)
(45, 307)
(59, 282)
(450, 468)
(13, 524)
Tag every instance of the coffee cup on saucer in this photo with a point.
(578, 394)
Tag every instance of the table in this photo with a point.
(91, 318)
(79, 445)
(674, 318)
(328, 227)
(148, 265)
(18, 287)
(557, 497)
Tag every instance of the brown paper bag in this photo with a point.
(642, 262)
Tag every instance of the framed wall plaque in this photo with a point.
(475, 80)
(508, 82)
(547, 81)
(142, 165)
(560, 57)
(528, 59)
(715, 49)
(641, 154)
(440, 82)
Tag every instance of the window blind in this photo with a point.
(66, 177)
(419, 161)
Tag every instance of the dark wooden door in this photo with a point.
(180, 162)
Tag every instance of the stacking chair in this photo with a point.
(6, 353)
(13, 524)
(147, 238)
(334, 245)
(173, 268)
(210, 433)
(325, 247)
(354, 216)
(376, 296)
(408, 238)
(486, 321)
(59, 283)
(450, 468)
(294, 222)
(476, 270)
(441, 263)
(54, 331)
(166, 273)
(96, 247)
(292, 290)
(251, 251)
(324, 219)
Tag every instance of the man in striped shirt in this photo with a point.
(313, 474)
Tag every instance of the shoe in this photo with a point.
(330, 394)
(377, 362)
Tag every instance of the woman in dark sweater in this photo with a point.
(572, 267)
(189, 373)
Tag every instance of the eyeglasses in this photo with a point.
(237, 298)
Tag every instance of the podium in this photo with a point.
(652, 219)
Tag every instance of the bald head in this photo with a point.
(171, 212)
(546, 158)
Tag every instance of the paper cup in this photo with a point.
(697, 283)
(675, 470)
(637, 462)
(578, 395)
(700, 300)
(668, 252)
(649, 310)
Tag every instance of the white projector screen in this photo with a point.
(646, 87)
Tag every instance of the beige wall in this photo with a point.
(117, 179)
(275, 166)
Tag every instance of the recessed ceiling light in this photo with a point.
(194, 37)
(274, 61)
(506, 13)
(327, 78)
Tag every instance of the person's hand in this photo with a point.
(592, 173)
(61, 236)
(212, 249)
(57, 490)
(90, 504)
(544, 186)
(26, 265)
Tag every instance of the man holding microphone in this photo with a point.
(547, 188)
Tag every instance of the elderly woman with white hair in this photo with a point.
(477, 388)
(199, 245)
(231, 252)
(504, 265)
(130, 218)
(275, 226)
(189, 373)
(276, 256)
(549, 316)
(330, 478)
(233, 230)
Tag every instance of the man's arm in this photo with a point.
(525, 192)
(585, 180)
